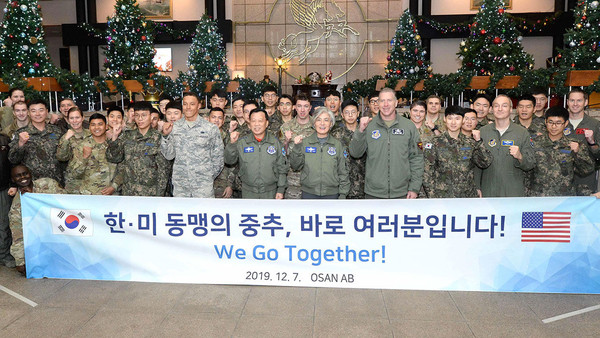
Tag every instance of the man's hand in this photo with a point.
(69, 134)
(107, 191)
(167, 128)
(364, 121)
(233, 125)
(278, 196)
(479, 193)
(228, 192)
(476, 135)
(12, 191)
(288, 136)
(589, 136)
(515, 152)
(116, 132)
(160, 126)
(87, 151)
(411, 195)
(298, 139)
(234, 136)
(8, 102)
(23, 138)
(54, 118)
(574, 146)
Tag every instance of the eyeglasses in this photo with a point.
(554, 124)
(141, 116)
(270, 95)
(374, 101)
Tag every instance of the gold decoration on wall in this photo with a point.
(319, 18)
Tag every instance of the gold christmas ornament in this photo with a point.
(33, 40)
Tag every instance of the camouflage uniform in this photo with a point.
(482, 123)
(39, 152)
(227, 176)
(356, 166)
(141, 163)
(578, 133)
(556, 165)
(197, 149)
(11, 129)
(294, 190)
(449, 165)
(71, 151)
(275, 123)
(43, 186)
(6, 116)
(95, 172)
(536, 128)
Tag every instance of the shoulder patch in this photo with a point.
(428, 146)
(567, 131)
(271, 150)
(492, 143)
(376, 134)
(331, 151)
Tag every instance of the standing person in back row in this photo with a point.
(197, 148)
(394, 161)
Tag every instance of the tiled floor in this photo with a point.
(75, 308)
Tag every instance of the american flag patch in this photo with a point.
(546, 227)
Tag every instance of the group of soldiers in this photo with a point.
(284, 147)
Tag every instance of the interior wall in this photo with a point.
(453, 7)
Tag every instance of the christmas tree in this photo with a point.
(494, 44)
(583, 39)
(22, 44)
(406, 59)
(207, 58)
(130, 39)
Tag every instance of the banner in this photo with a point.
(493, 244)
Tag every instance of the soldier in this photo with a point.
(482, 105)
(585, 129)
(321, 159)
(98, 176)
(130, 122)
(22, 177)
(260, 155)
(269, 99)
(218, 99)
(469, 122)
(163, 101)
(71, 146)
(286, 109)
(36, 144)
(417, 112)
(6, 113)
(373, 104)
(143, 167)
(558, 158)
(450, 159)
(394, 161)
(173, 111)
(115, 119)
(223, 184)
(197, 148)
(525, 117)
(155, 118)
(510, 145)
(433, 120)
(299, 125)
(541, 101)
(6, 258)
(333, 101)
(237, 106)
(21, 119)
(61, 120)
(356, 166)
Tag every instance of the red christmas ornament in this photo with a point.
(582, 42)
(19, 64)
(398, 71)
(420, 63)
(14, 4)
(497, 40)
(511, 68)
(572, 65)
(469, 64)
(482, 32)
(143, 38)
(501, 10)
(583, 17)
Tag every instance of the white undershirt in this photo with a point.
(502, 131)
(575, 123)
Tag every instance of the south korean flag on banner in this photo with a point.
(71, 222)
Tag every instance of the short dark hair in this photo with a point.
(165, 97)
(39, 101)
(268, 88)
(237, 98)
(65, 99)
(482, 96)
(72, 109)
(216, 109)
(219, 92)
(527, 97)
(372, 95)
(469, 110)
(115, 108)
(418, 103)
(20, 102)
(538, 91)
(98, 116)
(191, 94)
(301, 97)
(557, 111)
(258, 110)
(347, 103)
(285, 96)
(334, 93)
(12, 90)
(174, 105)
(249, 102)
(577, 90)
(143, 106)
(454, 110)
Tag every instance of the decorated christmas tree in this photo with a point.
(130, 43)
(207, 58)
(406, 57)
(583, 40)
(494, 44)
(22, 44)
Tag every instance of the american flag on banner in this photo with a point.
(546, 227)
